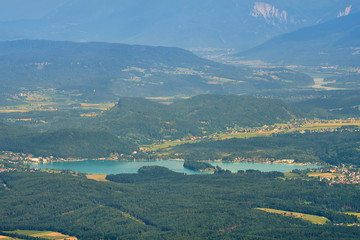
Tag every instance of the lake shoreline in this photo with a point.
(183, 160)
(117, 167)
(284, 161)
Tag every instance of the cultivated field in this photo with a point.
(354, 213)
(97, 106)
(324, 175)
(5, 238)
(97, 177)
(43, 234)
(49, 100)
(260, 132)
(307, 217)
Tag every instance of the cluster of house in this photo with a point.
(3, 169)
(340, 175)
(15, 160)
(10, 161)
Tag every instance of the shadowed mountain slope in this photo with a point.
(105, 71)
(335, 42)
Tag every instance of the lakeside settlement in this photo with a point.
(344, 174)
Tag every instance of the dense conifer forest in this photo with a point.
(159, 204)
(340, 147)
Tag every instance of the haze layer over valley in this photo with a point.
(186, 119)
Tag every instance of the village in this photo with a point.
(10, 161)
(297, 125)
(337, 174)
(20, 162)
(344, 174)
(303, 126)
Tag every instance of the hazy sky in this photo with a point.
(30, 9)
(239, 24)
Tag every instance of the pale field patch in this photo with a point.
(160, 98)
(354, 213)
(325, 175)
(6, 238)
(311, 218)
(97, 106)
(43, 234)
(97, 177)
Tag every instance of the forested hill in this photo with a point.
(221, 110)
(160, 204)
(105, 71)
(7, 131)
(197, 116)
(64, 143)
(145, 121)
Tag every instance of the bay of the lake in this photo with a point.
(116, 167)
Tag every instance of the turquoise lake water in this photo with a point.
(116, 167)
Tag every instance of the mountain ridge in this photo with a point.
(109, 70)
(235, 24)
(334, 42)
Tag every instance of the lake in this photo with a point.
(116, 167)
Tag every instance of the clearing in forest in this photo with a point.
(354, 213)
(324, 175)
(312, 218)
(43, 234)
(6, 238)
(97, 177)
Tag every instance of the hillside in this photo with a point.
(197, 116)
(335, 42)
(64, 143)
(239, 24)
(339, 147)
(7, 131)
(350, 81)
(335, 103)
(104, 71)
(160, 204)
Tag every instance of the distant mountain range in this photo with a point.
(239, 24)
(336, 42)
(104, 71)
